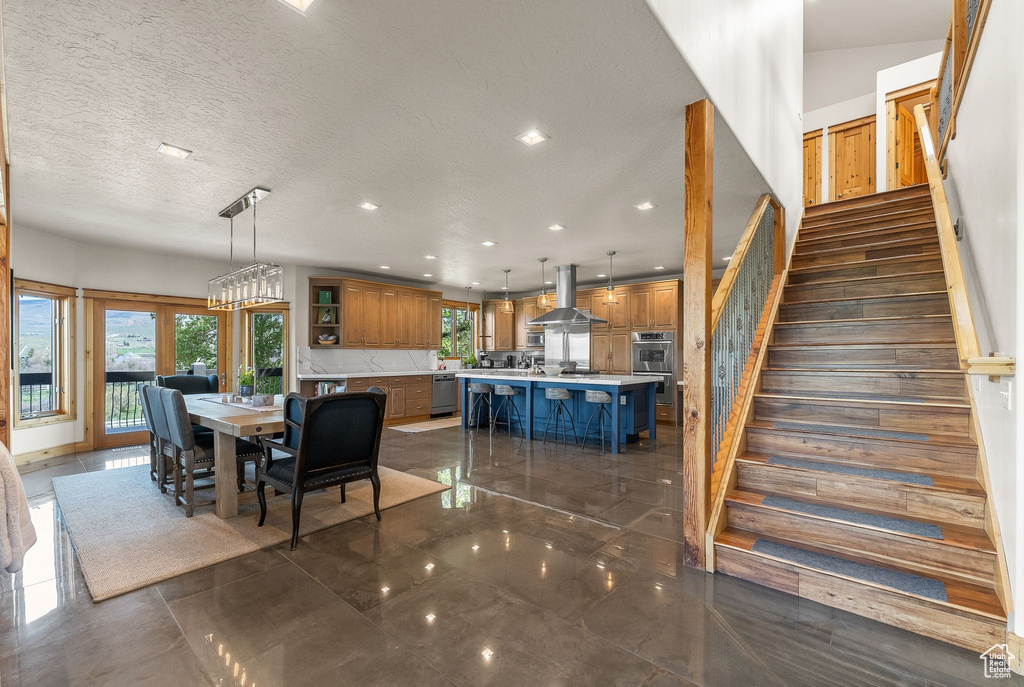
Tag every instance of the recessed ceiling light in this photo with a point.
(475, 547)
(504, 288)
(474, 283)
(300, 5)
(556, 227)
(601, 276)
(727, 258)
(430, 617)
(487, 653)
(488, 243)
(532, 137)
(428, 275)
(548, 283)
(367, 205)
(430, 257)
(173, 151)
(646, 205)
(659, 267)
(385, 590)
(385, 267)
(429, 566)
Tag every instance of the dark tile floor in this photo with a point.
(544, 565)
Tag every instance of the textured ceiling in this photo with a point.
(839, 24)
(413, 105)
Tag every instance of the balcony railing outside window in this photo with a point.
(123, 412)
(35, 395)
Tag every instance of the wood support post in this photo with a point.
(697, 294)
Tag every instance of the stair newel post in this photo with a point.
(697, 295)
(780, 237)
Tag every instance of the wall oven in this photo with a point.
(654, 353)
(535, 339)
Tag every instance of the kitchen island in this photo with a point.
(632, 408)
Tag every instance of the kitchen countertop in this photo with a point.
(517, 375)
(330, 377)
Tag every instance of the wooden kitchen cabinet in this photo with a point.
(641, 308)
(499, 330)
(521, 320)
(487, 326)
(375, 315)
(610, 352)
(665, 312)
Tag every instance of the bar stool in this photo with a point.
(508, 404)
(602, 399)
(559, 411)
(480, 393)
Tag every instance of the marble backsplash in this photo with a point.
(349, 360)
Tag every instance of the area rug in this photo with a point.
(427, 425)
(128, 535)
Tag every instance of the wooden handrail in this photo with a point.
(962, 48)
(729, 278)
(956, 286)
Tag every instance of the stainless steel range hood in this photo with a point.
(565, 292)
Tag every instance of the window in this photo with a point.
(45, 342)
(266, 331)
(458, 330)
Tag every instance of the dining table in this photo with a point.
(228, 421)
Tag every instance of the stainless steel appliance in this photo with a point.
(535, 339)
(568, 342)
(443, 394)
(566, 312)
(654, 353)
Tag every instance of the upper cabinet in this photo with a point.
(654, 306)
(375, 315)
(499, 328)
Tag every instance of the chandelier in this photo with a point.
(255, 284)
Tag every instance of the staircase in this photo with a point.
(857, 485)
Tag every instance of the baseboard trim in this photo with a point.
(40, 459)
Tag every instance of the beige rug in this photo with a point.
(128, 535)
(428, 425)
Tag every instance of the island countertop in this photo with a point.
(519, 375)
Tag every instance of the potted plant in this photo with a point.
(246, 378)
(469, 360)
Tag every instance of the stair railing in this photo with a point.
(736, 311)
(967, 347)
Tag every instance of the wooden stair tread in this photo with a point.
(920, 217)
(917, 192)
(962, 595)
(879, 245)
(909, 373)
(870, 262)
(941, 482)
(841, 236)
(843, 401)
(867, 345)
(877, 277)
(856, 299)
(862, 320)
(954, 536)
(936, 439)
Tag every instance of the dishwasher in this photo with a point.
(443, 394)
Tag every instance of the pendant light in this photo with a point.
(609, 295)
(506, 305)
(255, 284)
(543, 300)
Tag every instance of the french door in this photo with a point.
(134, 340)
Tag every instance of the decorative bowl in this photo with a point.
(260, 400)
(552, 370)
(326, 339)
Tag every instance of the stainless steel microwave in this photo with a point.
(535, 339)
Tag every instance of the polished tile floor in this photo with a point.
(544, 565)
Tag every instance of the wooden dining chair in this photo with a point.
(328, 441)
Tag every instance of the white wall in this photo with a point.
(748, 56)
(887, 81)
(832, 76)
(985, 187)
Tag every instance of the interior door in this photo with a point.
(852, 159)
(134, 341)
(905, 136)
(812, 167)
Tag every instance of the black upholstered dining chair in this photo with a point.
(161, 448)
(194, 453)
(328, 440)
(190, 384)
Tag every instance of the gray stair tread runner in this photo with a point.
(855, 431)
(894, 579)
(890, 475)
(921, 529)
